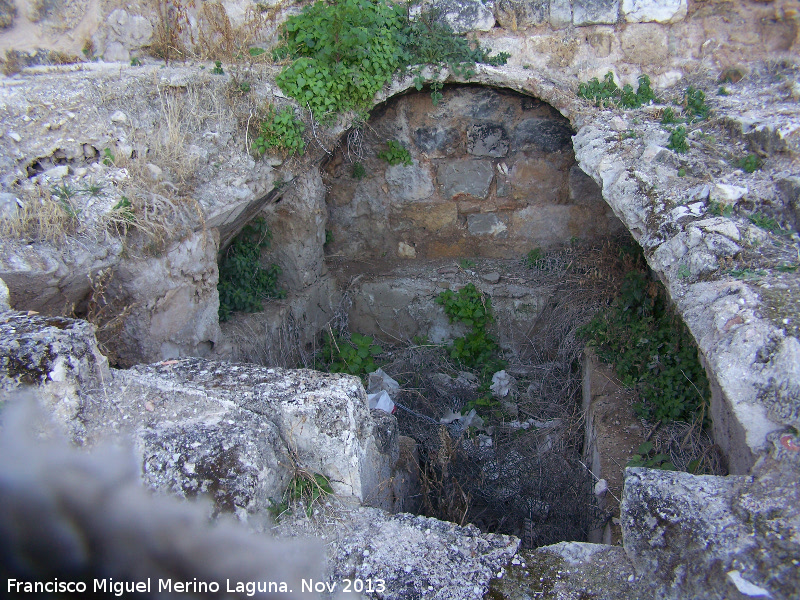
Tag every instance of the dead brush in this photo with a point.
(107, 314)
(41, 217)
(443, 496)
(171, 27)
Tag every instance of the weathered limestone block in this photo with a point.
(486, 224)
(410, 183)
(570, 570)
(661, 11)
(298, 224)
(5, 301)
(545, 135)
(413, 554)
(768, 132)
(521, 14)
(487, 139)
(594, 12)
(560, 13)
(173, 298)
(646, 44)
(240, 432)
(464, 16)
(436, 141)
(714, 537)
(471, 177)
(58, 355)
(122, 33)
(49, 279)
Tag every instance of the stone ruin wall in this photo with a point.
(493, 175)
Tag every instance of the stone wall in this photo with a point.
(493, 174)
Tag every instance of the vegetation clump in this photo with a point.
(396, 154)
(651, 350)
(243, 282)
(477, 350)
(607, 93)
(354, 355)
(282, 131)
(344, 52)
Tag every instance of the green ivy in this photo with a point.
(355, 355)
(243, 283)
(282, 131)
(396, 154)
(651, 350)
(343, 52)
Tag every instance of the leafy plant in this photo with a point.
(344, 52)
(305, 486)
(396, 154)
(607, 93)
(694, 101)
(281, 130)
(477, 349)
(750, 163)
(108, 157)
(217, 70)
(684, 272)
(723, 92)
(677, 140)
(135, 62)
(682, 172)
(243, 283)
(355, 355)
(255, 51)
(651, 350)
(359, 172)
(646, 457)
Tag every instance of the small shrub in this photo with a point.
(750, 163)
(355, 355)
(694, 101)
(358, 172)
(669, 117)
(282, 131)
(396, 154)
(243, 283)
(607, 93)
(217, 70)
(344, 52)
(677, 140)
(477, 350)
(466, 263)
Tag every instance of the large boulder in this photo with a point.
(715, 537)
